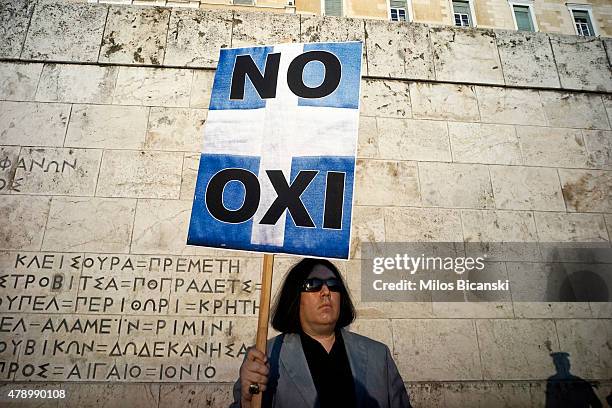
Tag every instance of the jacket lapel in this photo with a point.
(294, 362)
(358, 359)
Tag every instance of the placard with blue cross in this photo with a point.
(277, 167)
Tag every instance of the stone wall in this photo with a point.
(465, 135)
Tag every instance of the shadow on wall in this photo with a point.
(564, 390)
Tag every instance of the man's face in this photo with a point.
(319, 311)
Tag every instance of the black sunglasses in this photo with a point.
(315, 284)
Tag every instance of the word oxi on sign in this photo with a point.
(277, 168)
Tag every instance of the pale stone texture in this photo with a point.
(195, 37)
(58, 171)
(552, 147)
(201, 88)
(368, 225)
(18, 80)
(376, 329)
(466, 55)
(9, 156)
(607, 101)
(367, 146)
(526, 188)
(574, 110)
(111, 395)
(563, 227)
(587, 190)
(385, 99)
(54, 34)
(424, 353)
(386, 183)
(89, 225)
(250, 29)
(153, 86)
(140, 174)
(516, 349)
(406, 139)
(135, 35)
(599, 148)
(455, 185)
(23, 222)
(14, 19)
(498, 226)
(511, 106)
(482, 143)
(107, 126)
(422, 225)
(77, 83)
(191, 163)
(484, 394)
(175, 129)
(33, 124)
(196, 395)
(582, 62)
(588, 345)
(444, 101)
(398, 50)
(333, 29)
(527, 59)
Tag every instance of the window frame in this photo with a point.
(343, 8)
(408, 10)
(472, 16)
(582, 7)
(532, 15)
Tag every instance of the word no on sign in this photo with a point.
(277, 167)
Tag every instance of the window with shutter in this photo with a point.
(461, 11)
(398, 10)
(333, 8)
(244, 2)
(523, 18)
(583, 23)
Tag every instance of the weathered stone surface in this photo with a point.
(195, 395)
(526, 188)
(511, 106)
(484, 394)
(111, 395)
(482, 143)
(14, 19)
(588, 345)
(135, 35)
(107, 126)
(498, 226)
(23, 222)
(516, 349)
(564, 227)
(195, 37)
(24, 403)
(455, 185)
(191, 163)
(367, 146)
(175, 129)
(264, 28)
(476, 310)
(424, 353)
(9, 157)
(422, 225)
(598, 144)
(527, 59)
(89, 225)
(140, 174)
(33, 124)
(574, 110)
(387, 183)
(582, 62)
(54, 36)
(552, 147)
(551, 310)
(399, 50)
(77, 83)
(406, 139)
(201, 88)
(385, 99)
(587, 190)
(58, 171)
(379, 330)
(466, 55)
(368, 226)
(18, 81)
(153, 86)
(444, 101)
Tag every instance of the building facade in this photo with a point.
(583, 17)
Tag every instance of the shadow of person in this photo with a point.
(564, 390)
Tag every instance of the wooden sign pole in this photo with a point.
(264, 314)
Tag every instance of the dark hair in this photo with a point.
(286, 310)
